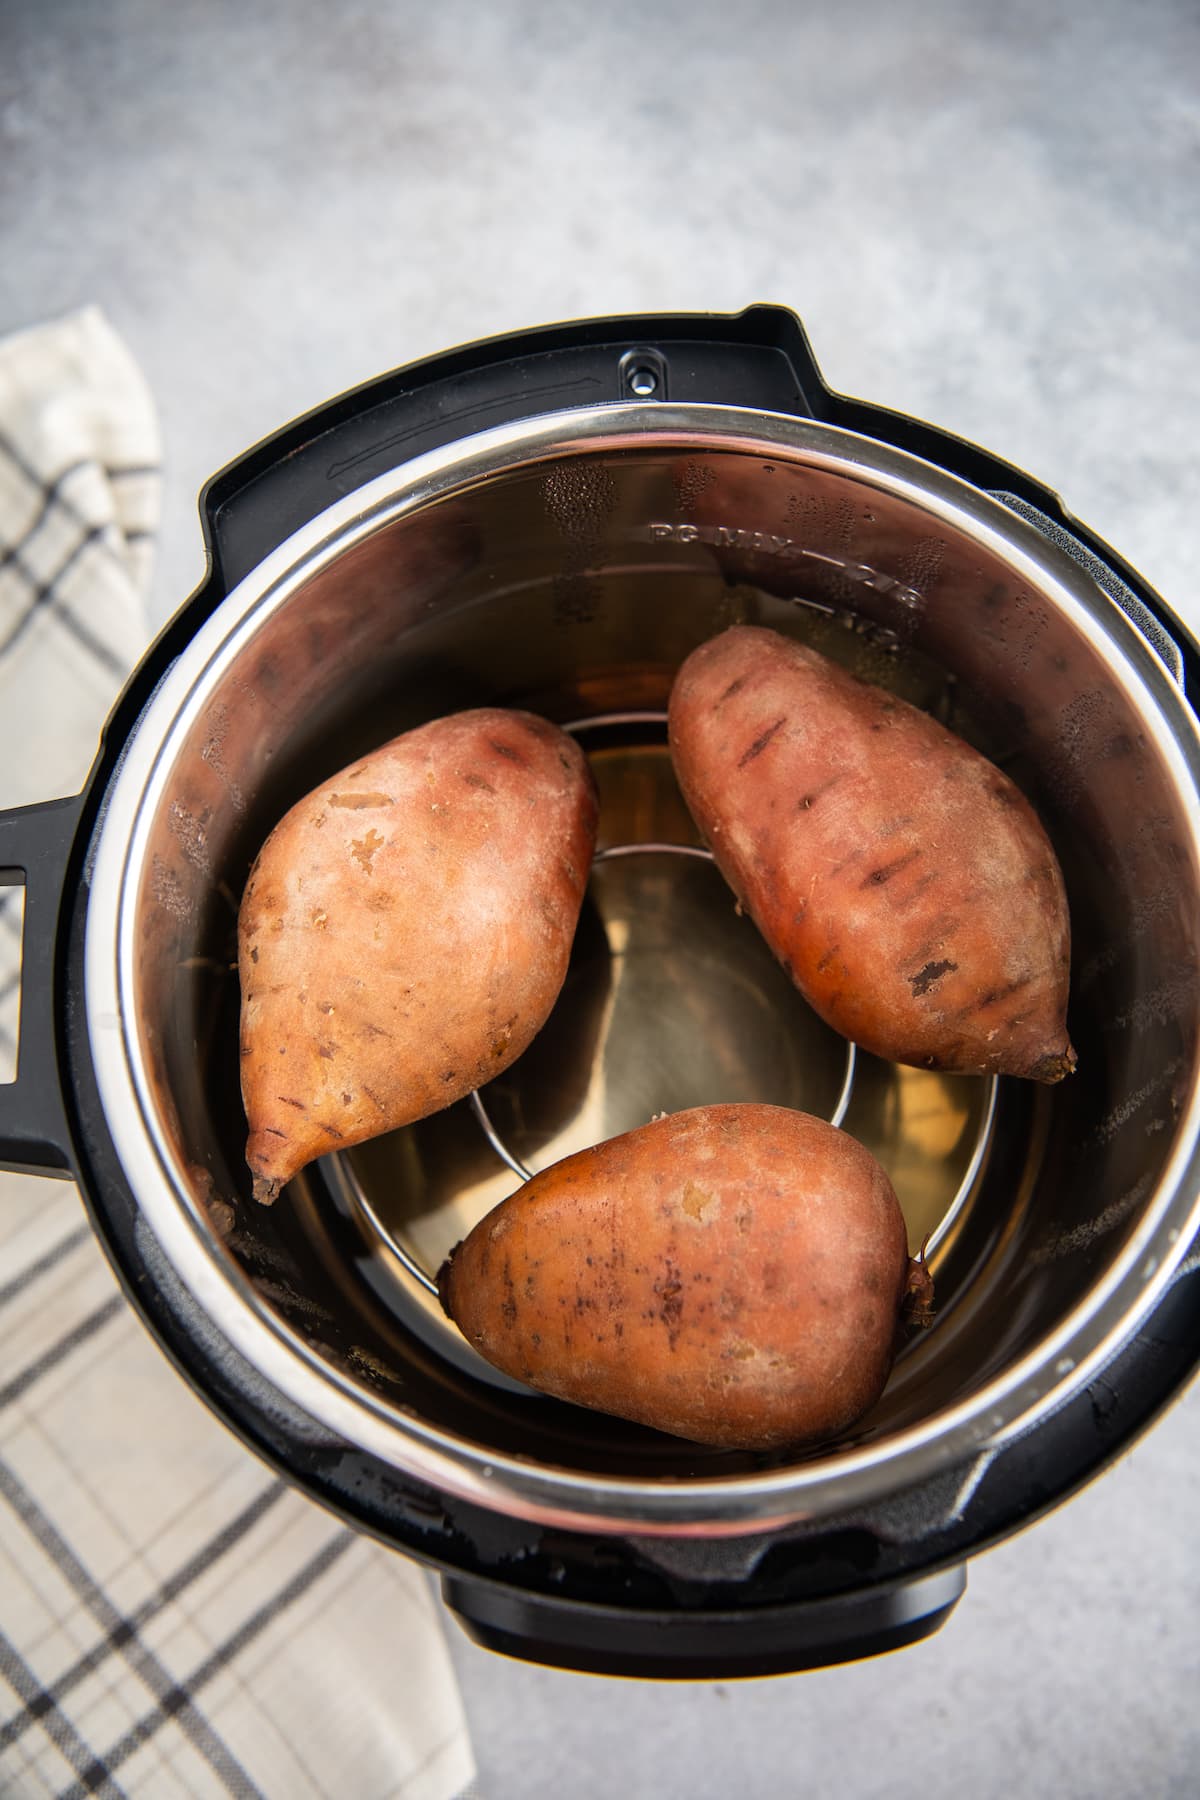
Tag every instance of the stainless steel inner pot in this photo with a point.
(568, 564)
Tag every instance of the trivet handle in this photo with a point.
(35, 846)
(688, 1645)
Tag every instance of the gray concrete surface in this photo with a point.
(986, 216)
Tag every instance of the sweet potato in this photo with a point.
(735, 1275)
(405, 932)
(904, 882)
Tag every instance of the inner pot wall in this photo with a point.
(574, 585)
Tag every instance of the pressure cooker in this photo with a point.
(553, 520)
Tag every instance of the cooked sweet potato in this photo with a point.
(405, 932)
(735, 1275)
(904, 882)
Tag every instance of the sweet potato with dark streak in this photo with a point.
(903, 881)
(736, 1275)
(405, 932)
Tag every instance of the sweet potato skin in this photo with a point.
(733, 1275)
(903, 881)
(405, 932)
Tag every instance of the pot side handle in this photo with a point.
(759, 358)
(717, 1645)
(35, 847)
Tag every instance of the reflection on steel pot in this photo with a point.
(518, 524)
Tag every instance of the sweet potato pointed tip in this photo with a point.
(917, 1306)
(1056, 1066)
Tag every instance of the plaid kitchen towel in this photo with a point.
(174, 1620)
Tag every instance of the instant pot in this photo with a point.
(553, 521)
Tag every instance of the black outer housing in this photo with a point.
(795, 1598)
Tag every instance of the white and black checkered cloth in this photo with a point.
(174, 1619)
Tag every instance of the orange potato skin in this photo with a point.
(904, 882)
(405, 932)
(732, 1274)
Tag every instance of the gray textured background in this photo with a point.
(987, 217)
